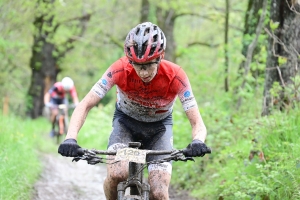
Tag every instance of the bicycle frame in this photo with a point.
(135, 180)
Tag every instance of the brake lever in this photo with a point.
(76, 159)
(91, 160)
(189, 158)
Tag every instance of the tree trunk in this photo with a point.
(43, 63)
(44, 71)
(284, 43)
(145, 10)
(166, 21)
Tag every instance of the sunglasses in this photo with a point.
(146, 66)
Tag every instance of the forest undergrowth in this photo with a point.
(252, 157)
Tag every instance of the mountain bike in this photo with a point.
(60, 125)
(138, 188)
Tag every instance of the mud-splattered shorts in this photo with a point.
(152, 135)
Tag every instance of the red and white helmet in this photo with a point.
(67, 83)
(144, 42)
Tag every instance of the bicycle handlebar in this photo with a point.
(81, 151)
(91, 155)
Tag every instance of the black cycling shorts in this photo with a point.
(152, 135)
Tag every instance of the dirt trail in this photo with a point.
(63, 179)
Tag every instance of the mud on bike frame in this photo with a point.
(137, 163)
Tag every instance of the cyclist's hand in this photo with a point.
(196, 148)
(69, 148)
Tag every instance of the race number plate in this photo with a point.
(131, 155)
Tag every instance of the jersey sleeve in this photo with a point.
(108, 79)
(73, 92)
(184, 90)
(53, 88)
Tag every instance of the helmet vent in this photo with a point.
(161, 47)
(144, 47)
(128, 51)
(147, 31)
(137, 31)
(152, 50)
(155, 38)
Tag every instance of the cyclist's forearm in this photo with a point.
(198, 127)
(80, 113)
(76, 122)
(46, 98)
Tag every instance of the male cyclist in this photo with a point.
(57, 95)
(147, 86)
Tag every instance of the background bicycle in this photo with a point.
(60, 124)
(134, 187)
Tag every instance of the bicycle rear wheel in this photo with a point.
(56, 129)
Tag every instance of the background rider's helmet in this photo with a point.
(144, 42)
(67, 83)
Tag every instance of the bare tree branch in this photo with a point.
(292, 6)
(193, 14)
(276, 40)
(280, 76)
(203, 44)
(251, 48)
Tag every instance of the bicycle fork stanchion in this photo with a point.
(121, 190)
(145, 190)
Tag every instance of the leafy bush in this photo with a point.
(262, 164)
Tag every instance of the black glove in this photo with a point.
(69, 148)
(196, 148)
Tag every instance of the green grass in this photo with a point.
(20, 167)
(22, 141)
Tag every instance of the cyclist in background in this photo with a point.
(147, 86)
(57, 95)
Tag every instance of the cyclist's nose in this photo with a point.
(143, 73)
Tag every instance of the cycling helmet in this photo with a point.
(67, 83)
(145, 42)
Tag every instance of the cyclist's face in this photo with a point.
(146, 71)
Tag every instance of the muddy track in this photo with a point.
(63, 179)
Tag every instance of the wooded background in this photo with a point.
(232, 46)
(242, 59)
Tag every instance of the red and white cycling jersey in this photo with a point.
(57, 91)
(148, 102)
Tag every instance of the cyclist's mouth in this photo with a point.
(147, 79)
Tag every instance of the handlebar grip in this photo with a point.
(80, 151)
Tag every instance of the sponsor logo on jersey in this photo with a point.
(110, 74)
(104, 82)
(187, 94)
